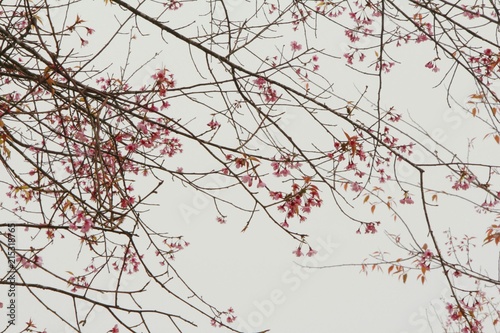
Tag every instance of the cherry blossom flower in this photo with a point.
(213, 124)
(432, 65)
(173, 5)
(370, 228)
(406, 199)
(114, 329)
(298, 252)
(311, 252)
(247, 179)
(356, 187)
(295, 46)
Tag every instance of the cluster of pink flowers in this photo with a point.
(77, 282)
(164, 80)
(471, 11)
(392, 116)
(229, 315)
(485, 63)
(491, 202)
(301, 199)
(422, 37)
(248, 162)
(32, 263)
(129, 263)
(282, 166)
(77, 24)
(298, 252)
(330, 9)
(81, 219)
(295, 46)
(270, 95)
(370, 227)
(249, 180)
(456, 316)
(432, 65)
(407, 199)
(213, 124)
(356, 186)
(464, 181)
(175, 244)
(299, 17)
(386, 66)
(272, 8)
(173, 4)
(424, 261)
(350, 56)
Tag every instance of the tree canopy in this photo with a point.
(378, 117)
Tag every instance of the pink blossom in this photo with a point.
(276, 195)
(356, 187)
(213, 124)
(311, 252)
(421, 38)
(38, 261)
(298, 252)
(295, 46)
(370, 228)
(114, 329)
(164, 105)
(349, 58)
(86, 225)
(260, 82)
(174, 5)
(142, 127)
(407, 200)
(131, 147)
(247, 179)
